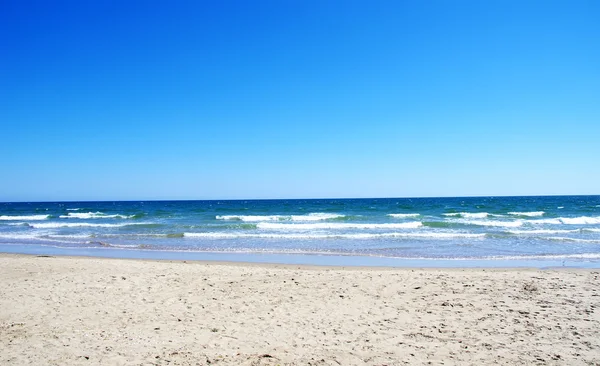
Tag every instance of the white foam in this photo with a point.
(72, 236)
(582, 220)
(520, 232)
(258, 218)
(333, 236)
(403, 216)
(515, 223)
(469, 215)
(576, 240)
(30, 237)
(54, 225)
(529, 214)
(546, 221)
(27, 217)
(333, 226)
(122, 246)
(93, 215)
(315, 217)
(522, 257)
(73, 209)
(250, 218)
(19, 236)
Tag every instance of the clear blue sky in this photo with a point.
(113, 100)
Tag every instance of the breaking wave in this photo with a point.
(54, 225)
(94, 215)
(403, 216)
(468, 215)
(333, 236)
(528, 214)
(24, 218)
(333, 226)
(258, 218)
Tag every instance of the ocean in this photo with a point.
(457, 230)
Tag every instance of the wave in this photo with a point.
(512, 257)
(333, 236)
(71, 236)
(469, 215)
(32, 238)
(575, 240)
(18, 236)
(55, 225)
(521, 232)
(528, 214)
(403, 216)
(122, 246)
(94, 215)
(440, 224)
(515, 223)
(546, 221)
(324, 225)
(73, 209)
(582, 220)
(27, 217)
(309, 217)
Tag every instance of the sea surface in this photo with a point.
(556, 228)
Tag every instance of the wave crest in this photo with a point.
(55, 225)
(333, 226)
(25, 217)
(468, 215)
(403, 215)
(94, 215)
(528, 214)
(581, 220)
(439, 236)
(257, 218)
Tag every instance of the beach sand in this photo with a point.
(92, 311)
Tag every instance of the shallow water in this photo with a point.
(553, 230)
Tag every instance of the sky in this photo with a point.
(142, 100)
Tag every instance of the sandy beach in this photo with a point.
(92, 311)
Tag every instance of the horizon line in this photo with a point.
(296, 199)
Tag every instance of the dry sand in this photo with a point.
(90, 311)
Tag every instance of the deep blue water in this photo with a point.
(557, 228)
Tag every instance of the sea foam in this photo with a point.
(257, 218)
(54, 225)
(529, 232)
(94, 215)
(468, 215)
(439, 236)
(404, 215)
(575, 240)
(528, 214)
(582, 220)
(515, 223)
(27, 217)
(333, 226)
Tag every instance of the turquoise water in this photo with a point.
(557, 228)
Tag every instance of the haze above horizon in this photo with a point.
(239, 100)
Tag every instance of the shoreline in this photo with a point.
(80, 310)
(294, 259)
(291, 266)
